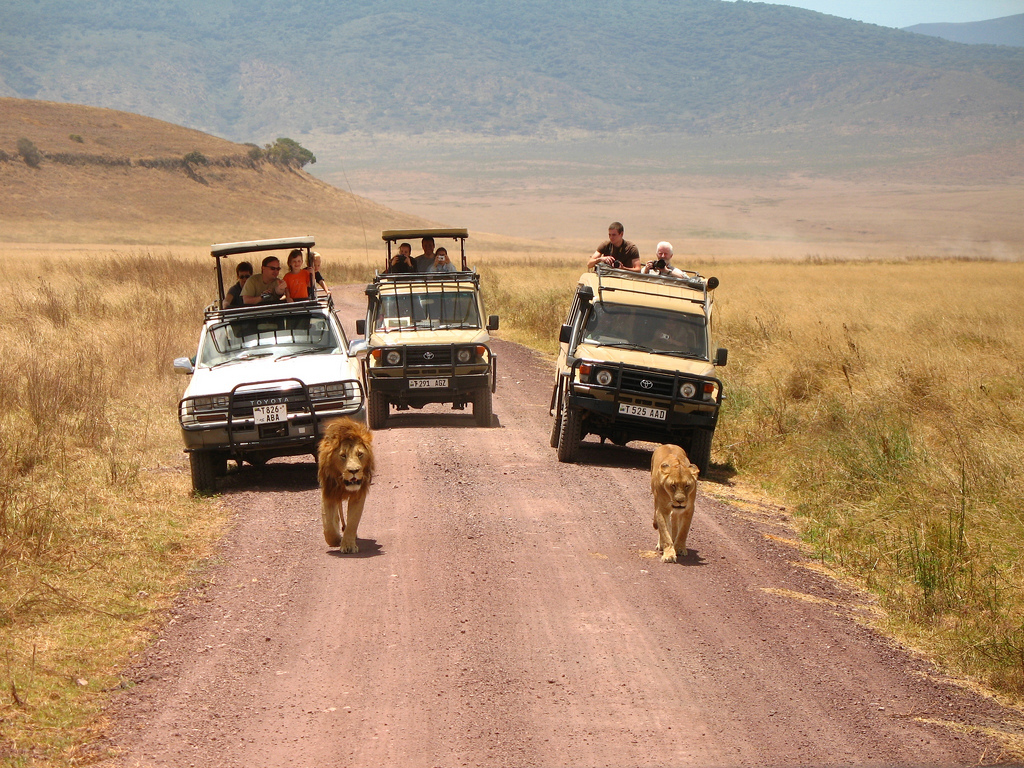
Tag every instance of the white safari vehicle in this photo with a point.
(634, 363)
(266, 376)
(426, 337)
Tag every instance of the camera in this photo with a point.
(659, 264)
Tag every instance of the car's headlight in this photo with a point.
(464, 355)
(337, 390)
(393, 357)
(207, 408)
(688, 389)
(604, 377)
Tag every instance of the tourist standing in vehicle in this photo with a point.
(316, 272)
(615, 251)
(297, 278)
(425, 259)
(234, 295)
(661, 265)
(266, 287)
(402, 262)
(441, 262)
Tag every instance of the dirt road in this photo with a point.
(507, 610)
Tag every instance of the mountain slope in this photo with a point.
(258, 69)
(113, 177)
(1008, 30)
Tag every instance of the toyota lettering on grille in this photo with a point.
(428, 355)
(646, 384)
(269, 401)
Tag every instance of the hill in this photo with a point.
(1008, 30)
(103, 176)
(257, 70)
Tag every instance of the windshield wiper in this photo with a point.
(677, 353)
(242, 358)
(620, 345)
(312, 351)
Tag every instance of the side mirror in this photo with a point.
(565, 335)
(183, 365)
(721, 356)
(356, 346)
(361, 327)
(492, 323)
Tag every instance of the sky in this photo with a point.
(905, 13)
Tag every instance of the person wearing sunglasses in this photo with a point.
(267, 287)
(234, 295)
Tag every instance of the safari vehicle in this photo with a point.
(266, 377)
(426, 338)
(634, 363)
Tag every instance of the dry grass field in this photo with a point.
(879, 400)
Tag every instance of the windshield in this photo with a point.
(434, 310)
(286, 335)
(646, 329)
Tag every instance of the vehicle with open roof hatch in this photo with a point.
(634, 363)
(266, 377)
(427, 337)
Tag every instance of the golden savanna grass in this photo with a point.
(97, 527)
(882, 401)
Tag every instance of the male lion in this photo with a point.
(674, 485)
(345, 457)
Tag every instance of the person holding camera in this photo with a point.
(661, 264)
(616, 252)
(267, 287)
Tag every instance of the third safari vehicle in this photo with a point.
(634, 363)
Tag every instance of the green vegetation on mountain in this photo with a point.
(270, 67)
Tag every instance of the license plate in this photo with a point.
(270, 414)
(427, 383)
(642, 411)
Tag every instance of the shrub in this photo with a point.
(195, 157)
(289, 152)
(29, 153)
(76, 138)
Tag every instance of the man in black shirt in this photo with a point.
(233, 298)
(616, 252)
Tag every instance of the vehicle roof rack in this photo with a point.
(214, 311)
(694, 283)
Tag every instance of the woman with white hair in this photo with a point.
(662, 263)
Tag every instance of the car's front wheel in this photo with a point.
(377, 410)
(700, 449)
(482, 408)
(204, 466)
(571, 432)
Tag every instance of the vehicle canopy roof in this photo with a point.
(220, 250)
(391, 236)
(418, 234)
(678, 294)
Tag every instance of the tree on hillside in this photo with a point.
(289, 152)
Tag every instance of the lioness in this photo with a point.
(345, 459)
(674, 485)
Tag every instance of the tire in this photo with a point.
(570, 433)
(700, 449)
(377, 410)
(556, 424)
(482, 408)
(204, 471)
